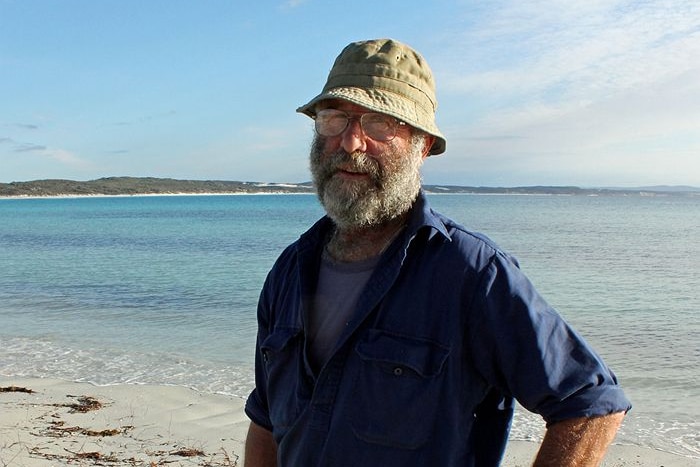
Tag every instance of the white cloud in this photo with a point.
(25, 161)
(257, 139)
(578, 89)
(293, 3)
(65, 157)
(557, 53)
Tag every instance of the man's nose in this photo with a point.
(353, 139)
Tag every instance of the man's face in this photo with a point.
(363, 182)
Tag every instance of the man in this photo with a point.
(388, 334)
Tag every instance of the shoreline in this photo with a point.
(311, 193)
(152, 195)
(61, 422)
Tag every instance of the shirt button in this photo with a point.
(398, 371)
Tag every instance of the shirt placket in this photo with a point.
(328, 382)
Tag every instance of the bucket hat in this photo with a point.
(386, 76)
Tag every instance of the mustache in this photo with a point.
(357, 161)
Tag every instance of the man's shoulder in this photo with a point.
(463, 237)
(454, 232)
(452, 242)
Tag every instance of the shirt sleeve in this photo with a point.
(256, 406)
(523, 347)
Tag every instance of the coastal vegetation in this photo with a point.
(125, 186)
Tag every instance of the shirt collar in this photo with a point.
(423, 216)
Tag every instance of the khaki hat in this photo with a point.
(384, 76)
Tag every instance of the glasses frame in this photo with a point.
(395, 124)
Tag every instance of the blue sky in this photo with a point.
(567, 92)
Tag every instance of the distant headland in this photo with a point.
(125, 186)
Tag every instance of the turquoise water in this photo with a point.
(163, 290)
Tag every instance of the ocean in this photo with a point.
(163, 289)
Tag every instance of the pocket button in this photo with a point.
(398, 371)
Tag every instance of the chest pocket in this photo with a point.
(282, 358)
(398, 386)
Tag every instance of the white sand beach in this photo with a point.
(65, 423)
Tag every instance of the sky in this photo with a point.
(588, 93)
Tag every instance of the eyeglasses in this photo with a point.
(379, 127)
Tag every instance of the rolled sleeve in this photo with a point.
(256, 406)
(591, 402)
(256, 411)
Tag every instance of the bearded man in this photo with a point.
(389, 335)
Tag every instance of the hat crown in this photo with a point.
(385, 64)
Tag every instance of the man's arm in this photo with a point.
(578, 442)
(260, 447)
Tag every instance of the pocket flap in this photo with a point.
(424, 357)
(278, 339)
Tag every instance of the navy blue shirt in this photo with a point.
(447, 332)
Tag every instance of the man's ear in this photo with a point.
(429, 140)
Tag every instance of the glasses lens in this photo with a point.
(331, 122)
(379, 127)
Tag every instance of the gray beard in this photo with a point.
(389, 192)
